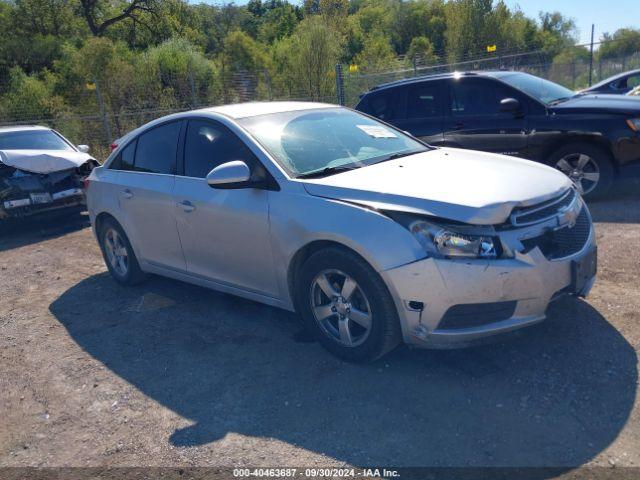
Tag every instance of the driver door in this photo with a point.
(224, 232)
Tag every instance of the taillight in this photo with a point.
(113, 146)
(86, 184)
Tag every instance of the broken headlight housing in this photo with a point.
(441, 242)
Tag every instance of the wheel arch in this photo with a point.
(99, 221)
(304, 252)
(581, 139)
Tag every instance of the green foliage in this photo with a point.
(111, 63)
(377, 55)
(421, 49)
(306, 60)
(625, 41)
(31, 96)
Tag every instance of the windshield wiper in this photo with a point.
(393, 156)
(324, 172)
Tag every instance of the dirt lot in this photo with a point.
(93, 374)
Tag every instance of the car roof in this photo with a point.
(436, 76)
(252, 109)
(613, 78)
(21, 128)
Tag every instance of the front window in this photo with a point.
(33, 140)
(327, 140)
(545, 91)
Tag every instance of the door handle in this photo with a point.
(128, 194)
(187, 206)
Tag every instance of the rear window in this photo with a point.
(33, 140)
(157, 149)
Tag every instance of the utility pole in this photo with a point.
(593, 28)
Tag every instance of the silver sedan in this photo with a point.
(370, 235)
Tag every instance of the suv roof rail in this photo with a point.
(431, 76)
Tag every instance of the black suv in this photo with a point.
(590, 138)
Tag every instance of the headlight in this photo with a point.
(442, 242)
(634, 124)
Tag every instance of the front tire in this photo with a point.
(118, 254)
(590, 168)
(347, 305)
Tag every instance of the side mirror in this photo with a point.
(83, 148)
(234, 174)
(510, 105)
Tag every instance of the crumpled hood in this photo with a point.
(43, 161)
(462, 185)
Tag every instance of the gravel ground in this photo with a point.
(167, 374)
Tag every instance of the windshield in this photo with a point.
(32, 140)
(327, 140)
(544, 90)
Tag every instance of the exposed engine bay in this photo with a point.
(37, 181)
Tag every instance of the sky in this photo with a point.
(607, 16)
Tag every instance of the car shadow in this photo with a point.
(621, 204)
(19, 232)
(552, 395)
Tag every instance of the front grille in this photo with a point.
(471, 315)
(542, 211)
(564, 242)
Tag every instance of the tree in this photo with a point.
(99, 14)
(421, 51)
(278, 22)
(622, 43)
(307, 59)
(376, 56)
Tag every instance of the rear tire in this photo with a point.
(347, 305)
(118, 254)
(588, 166)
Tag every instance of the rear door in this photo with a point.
(224, 232)
(145, 194)
(422, 110)
(474, 120)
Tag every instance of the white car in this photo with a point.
(40, 171)
(370, 235)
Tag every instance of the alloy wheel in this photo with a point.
(116, 252)
(582, 170)
(341, 308)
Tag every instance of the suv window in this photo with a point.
(476, 97)
(157, 148)
(633, 81)
(209, 144)
(425, 100)
(380, 105)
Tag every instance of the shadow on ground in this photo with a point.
(621, 205)
(19, 232)
(553, 395)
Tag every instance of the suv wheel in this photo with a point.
(590, 168)
(346, 303)
(118, 255)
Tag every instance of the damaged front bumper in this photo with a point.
(24, 194)
(444, 302)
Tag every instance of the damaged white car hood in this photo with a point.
(462, 185)
(43, 161)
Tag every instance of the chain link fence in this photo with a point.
(98, 112)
